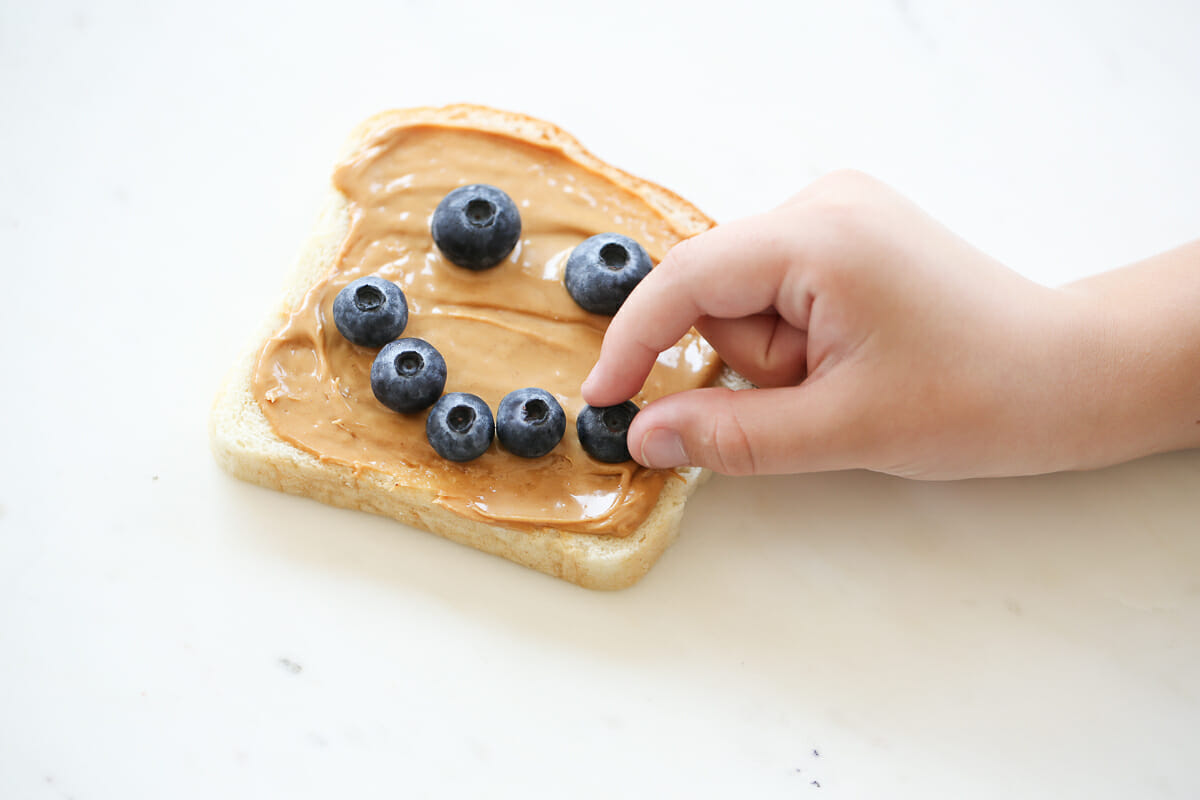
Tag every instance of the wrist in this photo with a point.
(1092, 393)
(1052, 406)
(1138, 349)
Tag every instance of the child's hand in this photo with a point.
(880, 340)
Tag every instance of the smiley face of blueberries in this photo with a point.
(476, 227)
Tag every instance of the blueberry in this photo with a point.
(530, 422)
(408, 375)
(476, 226)
(370, 311)
(460, 427)
(603, 431)
(602, 271)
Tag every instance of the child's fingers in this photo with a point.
(763, 348)
(755, 432)
(730, 271)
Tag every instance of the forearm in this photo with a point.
(1141, 331)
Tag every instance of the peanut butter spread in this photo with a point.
(502, 329)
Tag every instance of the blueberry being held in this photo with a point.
(603, 431)
(530, 422)
(408, 375)
(370, 311)
(602, 271)
(476, 226)
(459, 427)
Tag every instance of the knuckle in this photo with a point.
(838, 184)
(845, 226)
(679, 258)
(846, 195)
(844, 218)
(849, 178)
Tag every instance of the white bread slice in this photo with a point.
(246, 445)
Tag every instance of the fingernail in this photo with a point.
(586, 385)
(662, 448)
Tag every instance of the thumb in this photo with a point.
(749, 432)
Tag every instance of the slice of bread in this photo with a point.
(245, 443)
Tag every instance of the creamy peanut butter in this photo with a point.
(502, 329)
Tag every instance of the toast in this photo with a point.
(261, 450)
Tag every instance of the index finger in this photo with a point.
(730, 271)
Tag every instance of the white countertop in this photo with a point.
(166, 631)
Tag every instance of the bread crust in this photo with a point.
(246, 446)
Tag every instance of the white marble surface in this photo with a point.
(168, 631)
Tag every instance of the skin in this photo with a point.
(878, 339)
